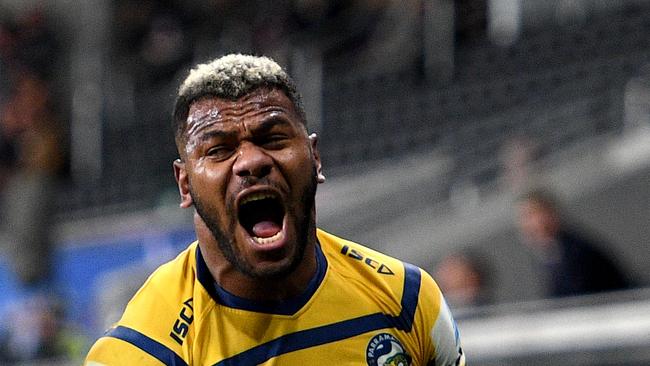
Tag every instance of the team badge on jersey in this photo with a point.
(386, 350)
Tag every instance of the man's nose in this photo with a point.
(252, 162)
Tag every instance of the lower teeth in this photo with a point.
(268, 240)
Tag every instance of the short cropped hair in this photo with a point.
(230, 77)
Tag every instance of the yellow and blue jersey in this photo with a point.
(361, 308)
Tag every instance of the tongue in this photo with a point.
(266, 229)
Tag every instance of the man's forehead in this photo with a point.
(213, 106)
(212, 112)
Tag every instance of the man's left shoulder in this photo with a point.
(356, 258)
(387, 275)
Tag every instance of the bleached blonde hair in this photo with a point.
(231, 77)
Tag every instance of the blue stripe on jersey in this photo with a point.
(410, 296)
(152, 347)
(337, 331)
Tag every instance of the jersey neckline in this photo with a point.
(287, 307)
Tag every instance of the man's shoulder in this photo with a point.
(405, 292)
(157, 320)
(356, 258)
(387, 276)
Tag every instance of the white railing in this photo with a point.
(616, 325)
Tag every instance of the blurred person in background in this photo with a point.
(32, 155)
(463, 279)
(32, 160)
(262, 283)
(574, 263)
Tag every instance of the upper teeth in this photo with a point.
(255, 197)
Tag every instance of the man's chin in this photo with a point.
(273, 271)
(270, 260)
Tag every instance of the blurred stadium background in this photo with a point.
(433, 116)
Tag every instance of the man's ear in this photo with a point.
(313, 140)
(183, 182)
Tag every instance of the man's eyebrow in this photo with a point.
(267, 124)
(211, 134)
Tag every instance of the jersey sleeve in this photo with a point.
(446, 339)
(443, 332)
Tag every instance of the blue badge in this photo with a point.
(386, 350)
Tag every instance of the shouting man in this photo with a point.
(262, 285)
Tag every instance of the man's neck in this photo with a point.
(271, 289)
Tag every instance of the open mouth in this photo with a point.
(262, 215)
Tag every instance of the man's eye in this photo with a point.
(219, 152)
(275, 141)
